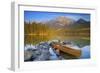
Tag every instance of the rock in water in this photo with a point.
(44, 49)
(29, 46)
(27, 55)
(42, 52)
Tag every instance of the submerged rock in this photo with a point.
(38, 53)
(41, 52)
(44, 49)
(28, 55)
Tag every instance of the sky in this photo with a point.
(46, 16)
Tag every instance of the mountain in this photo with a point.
(63, 21)
(60, 21)
(82, 21)
(66, 22)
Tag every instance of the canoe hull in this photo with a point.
(67, 50)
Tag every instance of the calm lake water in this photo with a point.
(85, 52)
(82, 42)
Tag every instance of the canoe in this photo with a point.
(67, 49)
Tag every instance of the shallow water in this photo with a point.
(85, 52)
(80, 44)
(53, 55)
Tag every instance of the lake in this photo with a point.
(82, 42)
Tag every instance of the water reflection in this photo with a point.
(80, 41)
